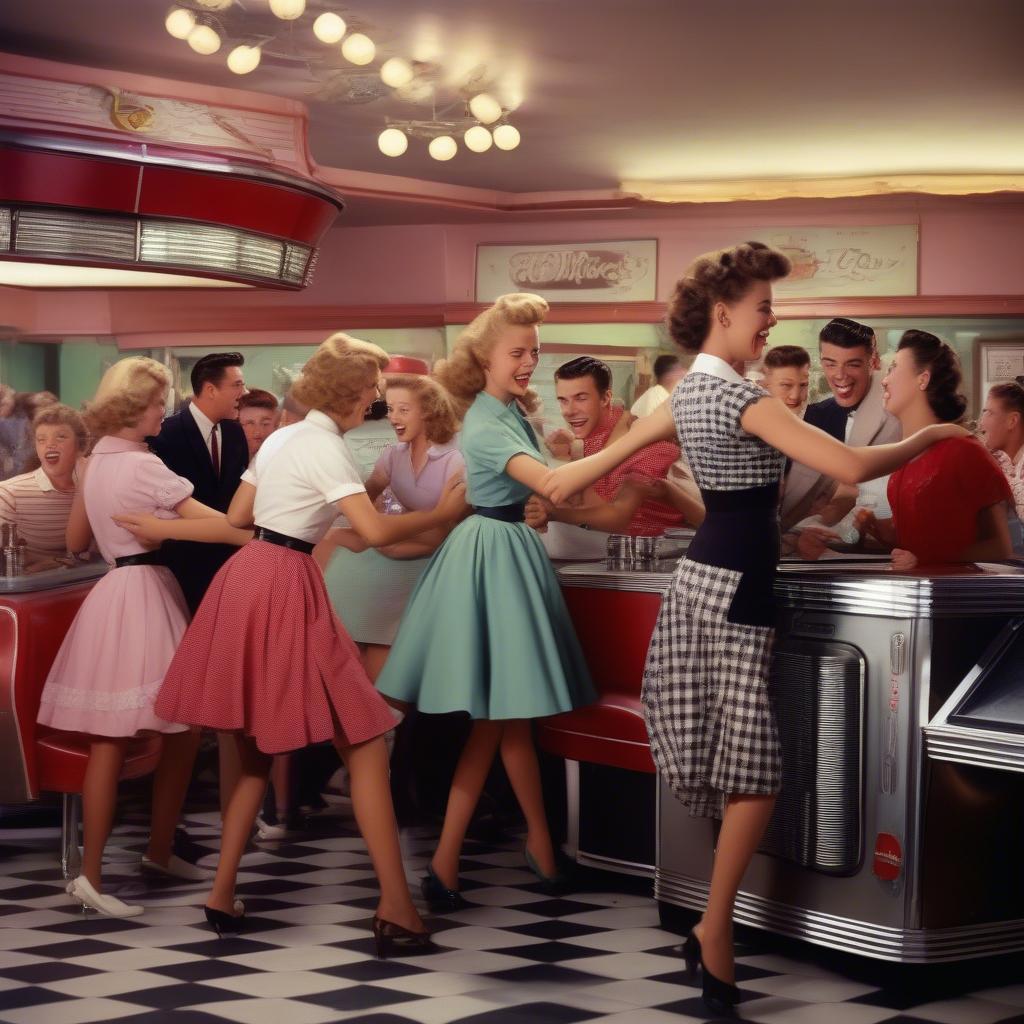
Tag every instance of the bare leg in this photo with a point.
(170, 784)
(99, 798)
(371, 801)
(374, 656)
(743, 825)
(281, 780)
(229, 768)
(244, 805)
(470, 775)
(519, 756)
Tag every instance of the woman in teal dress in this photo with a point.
(486, 630)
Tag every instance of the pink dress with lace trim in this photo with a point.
(114, 657)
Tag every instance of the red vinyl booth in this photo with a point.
(34, 759)
(614, 628)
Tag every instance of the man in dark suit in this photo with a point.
(853, 414)
(205, 444)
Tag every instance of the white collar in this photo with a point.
(715, 367)
(205, 424)
(322, 420)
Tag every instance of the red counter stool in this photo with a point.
(610, 777)
(34, 759)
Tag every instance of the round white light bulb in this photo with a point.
(485, 107)
(329, 28)
(478, 139)
(243, 59)
(180, 22)
(396, 72)
(287, 10)
(203, 39)
(392, 142)
(358, 49)
(506, 136)
(443, 147)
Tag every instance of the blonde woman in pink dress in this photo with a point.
(107, 673)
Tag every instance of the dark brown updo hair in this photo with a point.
(943, 365)
(723, 276)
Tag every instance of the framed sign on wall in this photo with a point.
(996, 361)
(616, 271)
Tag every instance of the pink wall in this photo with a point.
(969, 247)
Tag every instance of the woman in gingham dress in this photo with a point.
(706, 700)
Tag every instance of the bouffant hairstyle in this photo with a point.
(723, 276)
(587, 366)
(436, 407)
(337, 374)
(257, 399)
(786, 355)
(1011, 394)
(847, 333)
(125, 392)
(462, 373)
(941, 362)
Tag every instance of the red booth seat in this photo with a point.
(610, 732)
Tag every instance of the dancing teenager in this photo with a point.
(705, 692)
(106, 675)
(369, 587)
(271, 664)
(486, 630)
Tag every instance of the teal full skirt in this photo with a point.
(486, 631)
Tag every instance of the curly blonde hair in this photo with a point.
(337, 374)
(126, 390)
(436, 406)
(462, 373)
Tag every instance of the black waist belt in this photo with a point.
(506, 513)
(284, 541)
(142, 558)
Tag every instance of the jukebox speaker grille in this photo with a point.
(818, 690)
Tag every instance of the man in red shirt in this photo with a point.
(584, 389)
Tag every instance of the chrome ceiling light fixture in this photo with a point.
(113, 221)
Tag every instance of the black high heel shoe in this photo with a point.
(551, 885)
(393, 940)
(225, 924)
(439, 897)
(719, 996)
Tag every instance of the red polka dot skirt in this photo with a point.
(265, 654)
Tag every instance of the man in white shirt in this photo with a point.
(668, 371)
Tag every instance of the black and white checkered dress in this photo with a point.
(705, 692)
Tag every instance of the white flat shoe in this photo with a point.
(177, 868)
(80, 889)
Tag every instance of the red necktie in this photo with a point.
(215, 452)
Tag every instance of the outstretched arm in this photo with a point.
(197, 522)
(561, 483)
(379, 530)
(771, 421)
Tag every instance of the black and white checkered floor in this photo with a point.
(515, 957)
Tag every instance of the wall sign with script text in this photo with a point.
(619, 271)
(858, 261)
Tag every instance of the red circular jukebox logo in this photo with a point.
(888, 861)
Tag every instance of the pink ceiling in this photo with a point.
(612, 90)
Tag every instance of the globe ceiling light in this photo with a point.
(443, 147)
(287, 10)
(506, 136)
(358, 49)
(215, 5)
(392, 142)
(180, 22)
(204, 39)
(485, 108)
(329, 27)
(396, 72)
(243, 59)
(478, 139)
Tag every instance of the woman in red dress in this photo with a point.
(949, 503)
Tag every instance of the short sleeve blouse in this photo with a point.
(492, 434)
(419, 491)
(299, 473)
(959, 478)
